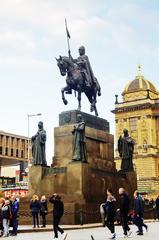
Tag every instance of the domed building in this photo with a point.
(139, 113)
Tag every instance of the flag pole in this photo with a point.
(68, 37)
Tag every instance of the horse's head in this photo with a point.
(62, 64)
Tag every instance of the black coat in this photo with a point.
(6, 212)
(157, 203)
(139, 206)
(43, 206)
(58, 206)
(109, 209)
(35, 206)
(124, 204)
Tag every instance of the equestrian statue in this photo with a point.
(79, 77)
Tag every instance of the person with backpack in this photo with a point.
(109, 209)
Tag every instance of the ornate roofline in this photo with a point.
(133, 108)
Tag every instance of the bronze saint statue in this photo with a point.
(79, 143)
(38, 146)
(126, 149)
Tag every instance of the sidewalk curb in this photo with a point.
(68, 227)
(74, 227)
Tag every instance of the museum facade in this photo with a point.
(139, 113)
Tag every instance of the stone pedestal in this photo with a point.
(39, 182)
(82, 185)
(99, 142)
(78, 181)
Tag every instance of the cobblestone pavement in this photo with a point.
(98, 234)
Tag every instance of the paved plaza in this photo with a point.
(99, 233)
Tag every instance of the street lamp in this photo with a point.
(30, 115)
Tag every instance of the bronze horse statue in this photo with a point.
(75, 80)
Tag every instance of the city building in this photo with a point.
(13, 152)
(139, 113)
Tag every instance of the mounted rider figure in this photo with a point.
(85, 68)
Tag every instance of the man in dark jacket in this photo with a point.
(124, 210)
(138, 212)
(14, 213)
(57, 213)
(157, 207)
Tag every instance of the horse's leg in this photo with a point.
(79, 100)
(90, 98)
(63, 90)
(96, 111)
(93, 102)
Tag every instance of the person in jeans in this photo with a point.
(138, 212)
(124, 210)
(35, 208)
(6, 214)
(43, 210)
(14, 212)
(57, 213)
(109, 208)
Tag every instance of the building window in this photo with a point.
(16, 152)
(22, 154)
(1, 150)
(6, 151)
(157, 123)
(11, 152)
(133, 124)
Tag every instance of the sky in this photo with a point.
(117, 34)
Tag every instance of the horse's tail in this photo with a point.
(75, 93)
(98, 87)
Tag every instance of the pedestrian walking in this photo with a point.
(35, 209)
(157, 207)
(6, 214)
(109, 208)
(43, 210)
(138, 213)
(14, 214)
(57, 214)
(124, 210)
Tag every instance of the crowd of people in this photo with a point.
(108, 212)
(9, 213)
(40, 207)
(9, 209)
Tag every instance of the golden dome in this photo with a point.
(139, 84)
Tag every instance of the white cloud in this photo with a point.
(117, 35)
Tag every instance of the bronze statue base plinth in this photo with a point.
(82, 185)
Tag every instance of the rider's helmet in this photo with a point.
(81, 50)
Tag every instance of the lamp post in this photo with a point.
(30, 115)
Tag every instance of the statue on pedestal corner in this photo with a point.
(38, 146)
(79, 152)
(126, 149)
